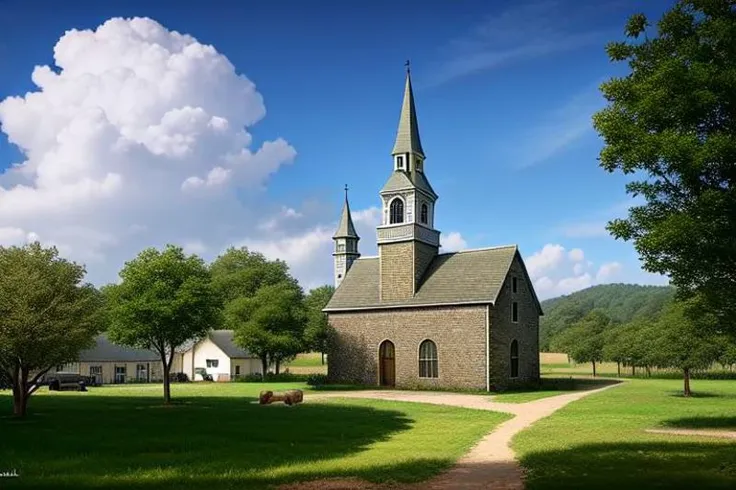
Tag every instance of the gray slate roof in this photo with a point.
(104, 350)
(407, 137)
(471, 276)
(400, 180)
(224, 340)
(346, 229)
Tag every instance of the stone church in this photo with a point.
(415, 317)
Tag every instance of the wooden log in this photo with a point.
(289, 397)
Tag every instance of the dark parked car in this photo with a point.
(66, 381)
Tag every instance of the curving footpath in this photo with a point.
(490, 464)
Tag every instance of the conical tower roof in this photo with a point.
(346, 228)
(407, 137)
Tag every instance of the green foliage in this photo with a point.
(621, 303)
(317, 331)
(681, 342)
(264, 304)
(270, 324)
(47, 315)
(672, 121)
(239, 273)
(273, 378)
(584, 340)
(165, 299)
(317, 379)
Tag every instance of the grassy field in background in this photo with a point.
(600, 442)
(309, 363)
(217, 436)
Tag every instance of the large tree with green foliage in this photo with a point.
(684, 343)
(47, 315)
(270, 324)
(165, 299)
(584, 340)
(317, 332)
(239, 275)
(672, 122)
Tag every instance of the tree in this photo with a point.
(317, 332)
(683, 343)
(584, 340)
(270, 324)
(672, 121)
(47, 315)
(727, 352)
(165, 299)
(239, 273)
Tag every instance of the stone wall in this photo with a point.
(503, 331)
(459, 333)
(397, 271)
(423, 256)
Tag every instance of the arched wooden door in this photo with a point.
(387, 363)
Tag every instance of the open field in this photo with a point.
(215, 437)
(600, 442)
(307, 363)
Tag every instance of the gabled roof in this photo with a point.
(407, 137)
(401, 180)
(104, 350)
(466, 277)
(224, 340)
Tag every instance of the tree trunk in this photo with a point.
(277, 366)
(167, 383)
(594, 369)
(323, 358)
(20, 401)
(633, 370)
(618, 368)
(264, 365)
(20, 392)
(686, 379)
(649, 372)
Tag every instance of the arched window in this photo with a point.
(428, 364)
(397, 211)
(424, 213)
(514, 359)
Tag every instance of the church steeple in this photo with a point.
(346, 243)
(407, 238)
(407, 137)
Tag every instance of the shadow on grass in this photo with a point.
(702, 423)
(199, 442)
(700, 394)
(633, 465)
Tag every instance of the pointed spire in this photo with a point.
(346, 229)
(407, 137)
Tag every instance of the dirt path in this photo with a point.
(491, 464)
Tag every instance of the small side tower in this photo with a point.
(346, 243)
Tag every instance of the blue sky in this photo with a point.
(504, 92)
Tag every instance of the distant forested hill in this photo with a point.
(620, 302)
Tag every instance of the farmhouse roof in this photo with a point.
(224, 340)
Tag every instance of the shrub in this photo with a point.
(270, 377)
(317, 379)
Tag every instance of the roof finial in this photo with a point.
(346, 192)
(408, 66)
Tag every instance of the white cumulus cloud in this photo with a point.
(452, 242)
(137, 136)
(556, 271)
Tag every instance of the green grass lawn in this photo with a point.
(311, 359)
(215, 437)
(600, 442)
(550, 387)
